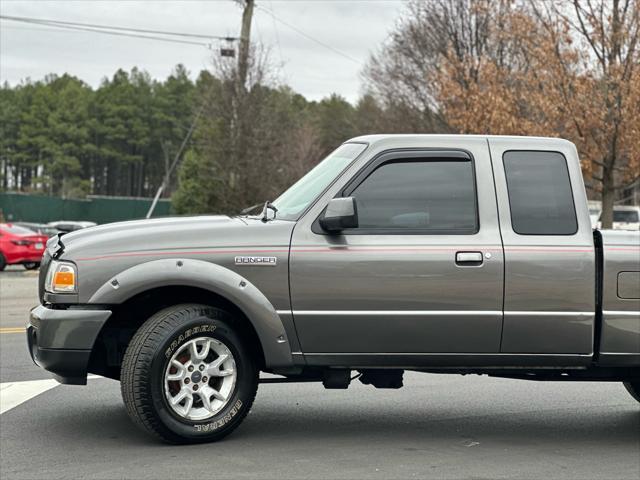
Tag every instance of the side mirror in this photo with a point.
(341, 213)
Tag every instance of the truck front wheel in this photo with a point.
(187, 376)
(633, 387)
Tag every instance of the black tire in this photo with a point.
(633, 387)
(3, 262)
(31, 265)
(147, 357)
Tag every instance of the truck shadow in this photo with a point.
(95, 418)
(441, 424)
(405, 429)
(334, 435)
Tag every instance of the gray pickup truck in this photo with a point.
(430, 253)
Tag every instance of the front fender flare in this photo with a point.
(209, 276)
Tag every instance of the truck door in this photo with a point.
(423, 272)
(549, 305)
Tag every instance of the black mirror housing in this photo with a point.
(341, 213)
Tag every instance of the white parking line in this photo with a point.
(13, 394)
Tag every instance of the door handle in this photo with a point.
(469, 258)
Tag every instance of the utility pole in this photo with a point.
(239, 98)
(245, 41)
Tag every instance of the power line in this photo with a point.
(38, 27)
(133, 35)
(309, 37)
(275, 28)
(120, 34)
(111, 27)
(118, 31)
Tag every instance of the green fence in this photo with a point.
(17, 207)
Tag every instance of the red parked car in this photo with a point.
(20, 245)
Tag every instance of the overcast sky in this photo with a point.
(355, 28)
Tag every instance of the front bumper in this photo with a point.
(61, 341)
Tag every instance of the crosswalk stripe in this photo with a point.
(13, 394)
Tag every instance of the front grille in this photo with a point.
(44, 266)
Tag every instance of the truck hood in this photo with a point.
(102, 252)
(179, 234)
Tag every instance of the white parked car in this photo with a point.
(626, 218)
(70, 225)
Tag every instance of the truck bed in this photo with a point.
(618, 337)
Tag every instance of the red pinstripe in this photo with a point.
(314, 249)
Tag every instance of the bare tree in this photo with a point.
(251, 143)
(604, 89)
(404, 74)
(528, 67)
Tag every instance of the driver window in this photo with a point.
(429, 196)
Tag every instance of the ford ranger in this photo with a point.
(429, 253)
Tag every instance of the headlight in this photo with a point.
(61, 278)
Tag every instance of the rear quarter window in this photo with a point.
(540, 195)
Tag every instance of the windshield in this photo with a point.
(297, 198)
(625, 216)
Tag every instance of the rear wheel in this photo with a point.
(3, 262)
(187, 376)
(633, 387)
(31, 265)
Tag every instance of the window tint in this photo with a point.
(432, 196)
(540, 194)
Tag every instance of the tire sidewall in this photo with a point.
(214, 323)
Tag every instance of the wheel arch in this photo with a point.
(138, 292)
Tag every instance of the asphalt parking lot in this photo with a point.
(438, 426)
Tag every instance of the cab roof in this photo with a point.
(416, 137)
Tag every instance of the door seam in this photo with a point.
(504, 259)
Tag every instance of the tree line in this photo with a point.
(59, 136)
(515, 67)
